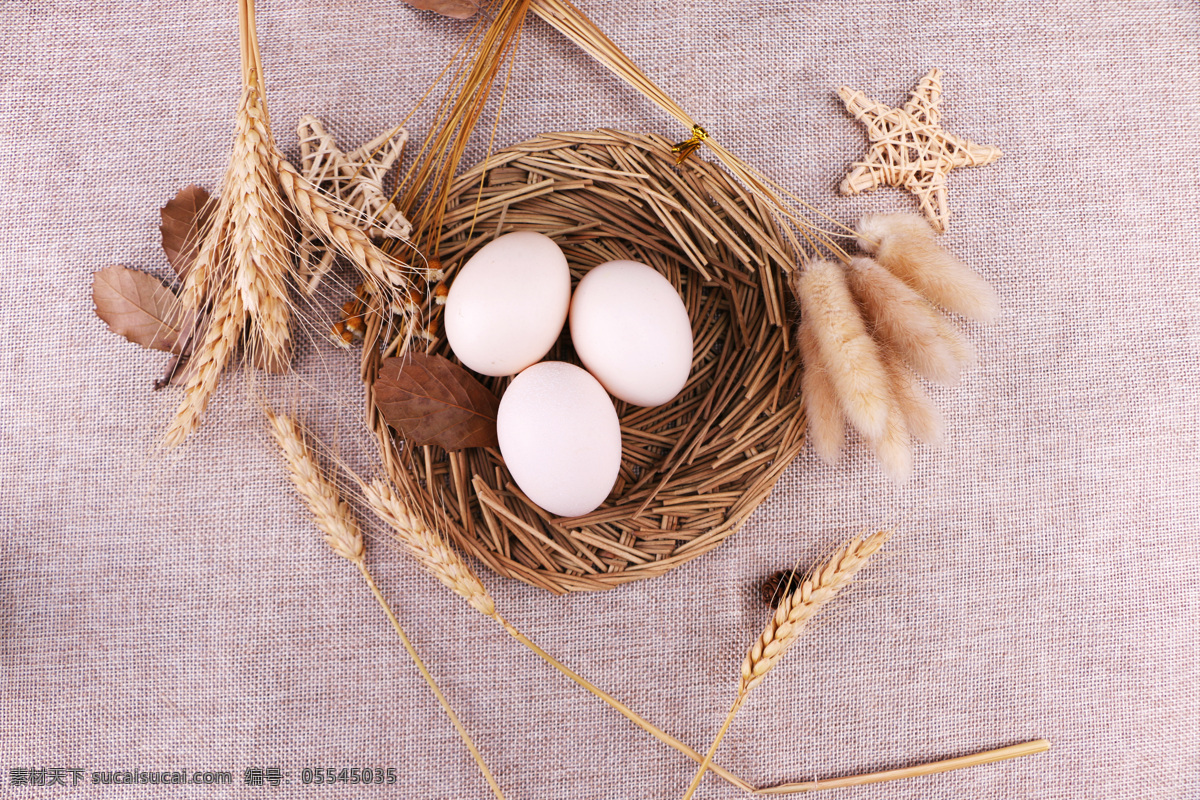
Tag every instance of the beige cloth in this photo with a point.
(179, 611)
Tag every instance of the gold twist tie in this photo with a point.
(686, 148)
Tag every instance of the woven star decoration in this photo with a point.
(909, 149)
(355, 180)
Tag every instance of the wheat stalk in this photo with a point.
(244, 258)
(342, 533)
(445, 564)
(932, 768)
(260, 244)
(322, 217)
(207, 363)
(791, 616)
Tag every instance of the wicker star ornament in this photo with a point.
(909, 149)
(355, 180)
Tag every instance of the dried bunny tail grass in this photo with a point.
(332, 514)
(850, 355)
(796, 609)
(893, 447)
(921, 415)
(428, 546)
(319, 214)
(906, 245)
(826, 423)
(907, 323)
(261, 245)
(207, 363)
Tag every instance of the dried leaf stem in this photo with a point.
(342, 533)
(790, 618)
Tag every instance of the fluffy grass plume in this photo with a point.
(893, 447)
(826, 423)
(921, 415)
(850, 355)
(906, 322)
(906, 245)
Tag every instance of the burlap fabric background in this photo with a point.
(180, 611)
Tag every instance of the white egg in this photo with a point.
(560, 437)
(632, 332)
(508, 303)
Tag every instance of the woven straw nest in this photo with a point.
(693, 470)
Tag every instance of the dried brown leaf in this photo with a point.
(458, 9)
(429, 399)
(183, 219)
(139, 307)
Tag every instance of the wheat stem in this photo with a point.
(620, 707)
(344, 536)
(412, 653)
(704, 765)
(932, 768)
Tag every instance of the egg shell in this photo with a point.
(632, 332)
(508, 303)
(560, 437)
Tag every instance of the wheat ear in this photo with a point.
(428, 547)
(207, 363)
(907, 323)
(260, 245)
(850, 355)
(342, 533)
(210, 258)
(322, 218)
(791, 616)
(331, 513)
(906, 245)
(826, 423)
(442, 561)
